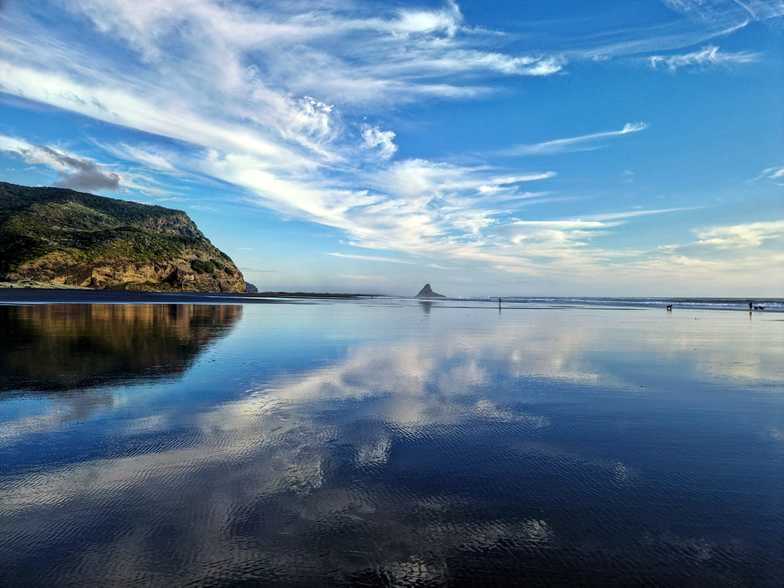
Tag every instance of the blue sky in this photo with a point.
(530, 148)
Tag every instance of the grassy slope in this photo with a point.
(84, 228)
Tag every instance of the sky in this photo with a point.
(550, 147)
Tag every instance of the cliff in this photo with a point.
(61, 237)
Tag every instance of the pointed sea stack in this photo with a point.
(427, 292)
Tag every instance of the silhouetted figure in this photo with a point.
(669, 308)
(751, 305)
(759, 307)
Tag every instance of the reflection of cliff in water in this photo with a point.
(67, 346)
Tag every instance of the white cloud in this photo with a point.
(369, 57)
(775, 173)
(370, 258)
(149, 157)
(75, 172)
(446, 20)
(560, 224)
(420, 177)
(383, 142)
(463, 60)
(707, 56)
(627, 214)
(135, 108)
(741, 235)
(691, 23)
(723, 11)
(578, 143)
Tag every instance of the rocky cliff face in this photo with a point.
(61, 237)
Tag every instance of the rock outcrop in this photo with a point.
(427, 292)
(61, 237)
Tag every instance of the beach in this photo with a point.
(344, 442)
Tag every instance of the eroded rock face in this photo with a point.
(62, 237)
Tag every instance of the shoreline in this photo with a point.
(28, 295)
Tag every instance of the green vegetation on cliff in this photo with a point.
(62, 237)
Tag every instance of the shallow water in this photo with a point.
(390, 442)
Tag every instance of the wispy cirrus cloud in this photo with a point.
(371, 55)
(688, 23)
(569, 144)
(705, 57)
(724, 11)
(685, 24)
(774, 173)
(374, 258)
(242, 90)
(627, 214)
(149, 157)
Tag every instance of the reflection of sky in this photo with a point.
(384, 440)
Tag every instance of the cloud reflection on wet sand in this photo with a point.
(462, 451)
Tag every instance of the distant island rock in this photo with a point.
(251, 288)
(59, 237)
(427, 292)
